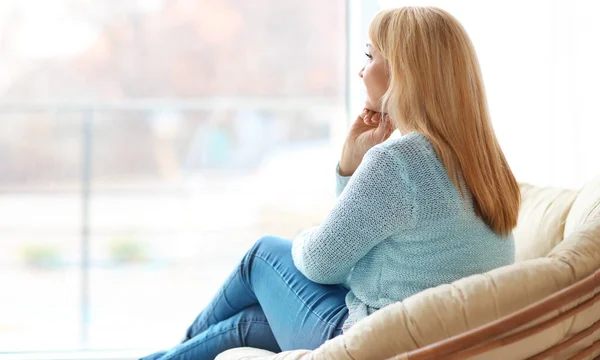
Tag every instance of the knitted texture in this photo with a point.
(398, 227)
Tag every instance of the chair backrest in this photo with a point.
(549, 215)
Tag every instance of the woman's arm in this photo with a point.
(378, 201)
(340, 181)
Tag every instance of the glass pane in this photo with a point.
(40, 216)
(207, 132)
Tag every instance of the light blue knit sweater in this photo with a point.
(399, 226)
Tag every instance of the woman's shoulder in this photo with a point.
(409, 147)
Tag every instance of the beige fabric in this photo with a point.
(541, 220)
(248, 353)
(585, 207)
(546, 265)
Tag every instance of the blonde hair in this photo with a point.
(436, 88)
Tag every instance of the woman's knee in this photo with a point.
(270, 251)
(270, 244)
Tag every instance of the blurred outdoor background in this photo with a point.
(145, 145)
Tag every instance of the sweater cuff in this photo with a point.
(297, 251)
(341, 181)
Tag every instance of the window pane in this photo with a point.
(211, 124)
(40, 210)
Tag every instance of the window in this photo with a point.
(144, 146)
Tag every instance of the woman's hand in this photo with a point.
(369, 129)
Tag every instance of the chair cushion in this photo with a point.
(541, 222)
(245, 353)
(585, 207)
(249, 353)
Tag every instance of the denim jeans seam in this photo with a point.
(295, 293)
(239, 270)
(217, 334)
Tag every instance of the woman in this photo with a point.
(429, 207)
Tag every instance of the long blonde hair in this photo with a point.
(436, 88)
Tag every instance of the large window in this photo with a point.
(144, 146)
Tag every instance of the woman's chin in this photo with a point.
(371, 106)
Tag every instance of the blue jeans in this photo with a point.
(265, 303)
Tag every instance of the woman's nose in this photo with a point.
(360, 73)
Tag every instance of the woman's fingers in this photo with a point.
(370, 117)
(364, 113)
(375, 118)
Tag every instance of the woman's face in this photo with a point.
(375, 77)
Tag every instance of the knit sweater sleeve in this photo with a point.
(340, 181)
(378, 201)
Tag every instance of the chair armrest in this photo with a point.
(528, 322)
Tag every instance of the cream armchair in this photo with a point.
(546, 305)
